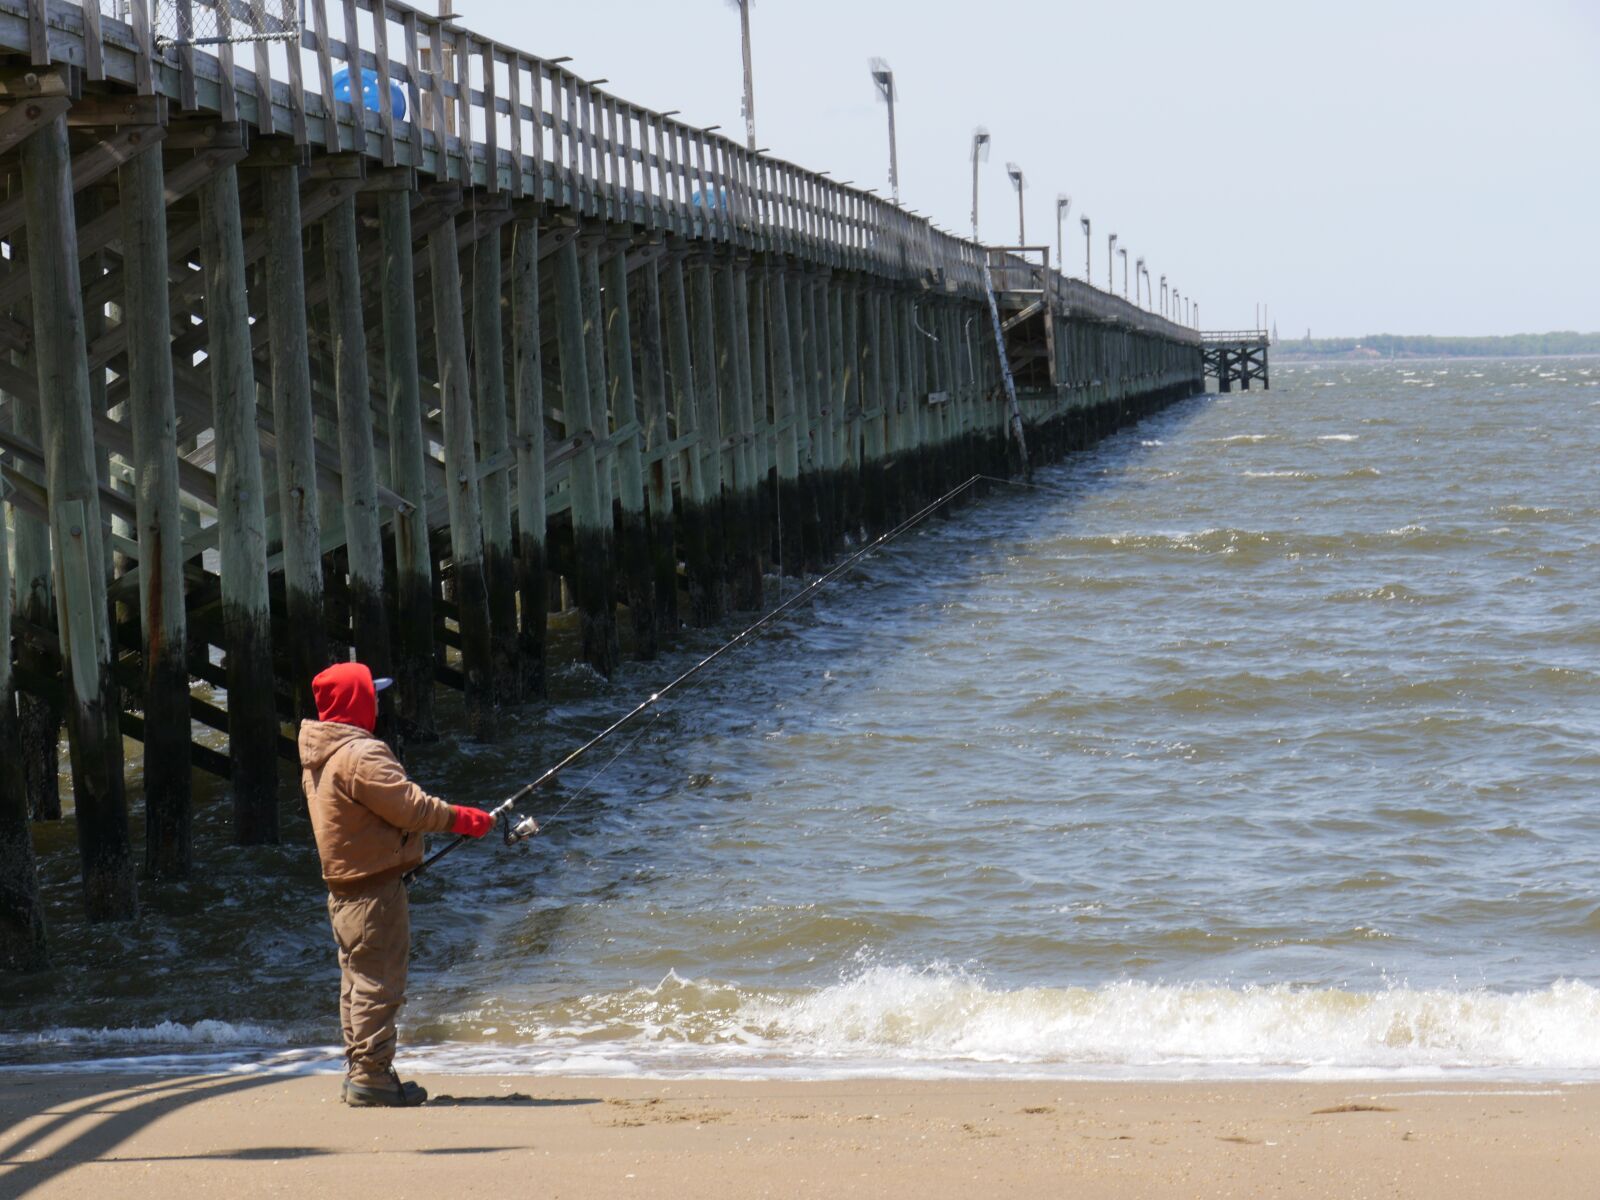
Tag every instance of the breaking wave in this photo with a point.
(938, 1020)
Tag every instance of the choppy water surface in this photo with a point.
(1264, 737)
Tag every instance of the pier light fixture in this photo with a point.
(1197, 314)
(749, 104)
(980, 153)
(883, 78)
(1019, 183)
(1163, 295)
(1084, 221)
(1138, 270)
(1063, 207)
(598, 82)
(671, 112)
(1122, 252)
(556, 62)
(1111, 263)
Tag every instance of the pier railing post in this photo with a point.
(163, 624)
(78, 558)
(414, 644)
(241, 516)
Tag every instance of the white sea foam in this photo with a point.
(1338, 437)
(941, 1021)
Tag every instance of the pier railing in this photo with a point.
(459, 106)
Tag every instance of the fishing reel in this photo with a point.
(514, 831)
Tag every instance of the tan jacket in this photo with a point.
(366, 815)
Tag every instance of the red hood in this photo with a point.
(345, 693)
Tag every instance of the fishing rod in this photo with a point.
(519, 831)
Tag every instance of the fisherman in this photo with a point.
(368, 818)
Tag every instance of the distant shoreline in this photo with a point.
(1286, 354)
(1383, 347)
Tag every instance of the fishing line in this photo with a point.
(527, 827)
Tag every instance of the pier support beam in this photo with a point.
(591, 530)
(358, 468)
(461, 477)
(413, 558)
(78, 557)
(658, 475)
(528, 382)
(163, 625)
(294, 426)
(634, 542)
(241, 517)
(693, 522)
(22, 936)
(494, 442)
(739, 497)
(787, 416)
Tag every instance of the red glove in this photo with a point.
(471, 822)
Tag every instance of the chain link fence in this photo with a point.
(216, 22)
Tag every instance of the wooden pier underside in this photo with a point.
(285, 380)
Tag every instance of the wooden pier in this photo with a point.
(286, 379)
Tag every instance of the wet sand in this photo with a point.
(249, 1135)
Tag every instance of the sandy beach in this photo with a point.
(72, 1135)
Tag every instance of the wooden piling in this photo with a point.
(22, 933)
(163, 623)
(708, 428)
(703, 587)
(788, 417)
(77, 556)
(461, 477)
(358, 467)
(39, 717)
(528, 384)
(299, 519)
(241, 517)
(413, 557)
(591, 529)
(633, 543)
(655, 410)
(494, 446)
(733, 336)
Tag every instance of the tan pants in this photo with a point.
(373, 931)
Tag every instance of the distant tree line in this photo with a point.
(1392, 345)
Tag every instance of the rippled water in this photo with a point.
(1263, 737)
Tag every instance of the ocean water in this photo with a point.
(1261, 740)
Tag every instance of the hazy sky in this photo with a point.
(1415, 166)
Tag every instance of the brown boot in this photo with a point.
(390, 1094)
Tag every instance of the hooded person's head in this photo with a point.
(346, 692)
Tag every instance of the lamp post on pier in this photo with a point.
(1138, 270)
(1111, 264)
(1122, 252)
(884, 78)
(749, 75)
(1084, 221)
(1063, 207)
(1163, 295)
(1016, 178)
(980, 153)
